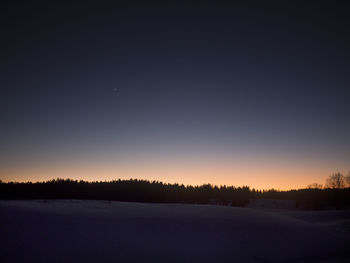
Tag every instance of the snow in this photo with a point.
(103, 231)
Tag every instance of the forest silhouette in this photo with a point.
(134, 190)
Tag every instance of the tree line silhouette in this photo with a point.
(134, 190)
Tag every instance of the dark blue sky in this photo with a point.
(248, 79)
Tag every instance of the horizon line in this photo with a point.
(157, 181)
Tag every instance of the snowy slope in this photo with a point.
(101, 231)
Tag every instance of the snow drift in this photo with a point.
(102, 231)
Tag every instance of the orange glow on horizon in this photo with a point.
(258, 175)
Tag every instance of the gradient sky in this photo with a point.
(247, 93)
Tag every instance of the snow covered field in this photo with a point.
(102, 231)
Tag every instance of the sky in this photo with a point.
(244, 93)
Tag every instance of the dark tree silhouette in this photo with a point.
(315, 186)
(134, 190)
(335, 181)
